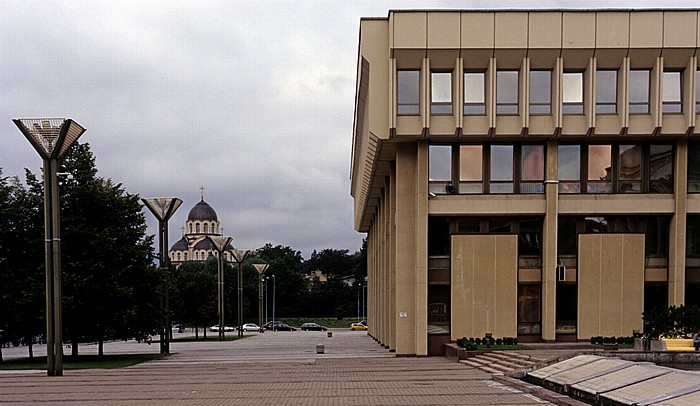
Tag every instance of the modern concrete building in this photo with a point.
(526, 173)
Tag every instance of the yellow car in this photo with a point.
(358, 326)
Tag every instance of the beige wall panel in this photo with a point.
(608, 124)
(409, 58)
(656, 275)
(610, 284)
(576, 58)
(693, 203)
(674, 124)
(643, 57)
(477, 59)
(510, 58)
(544, 30)
(478, 205)
(574, 125)
(680, 29)
(609, 58)
(443, 30)
(509, 125)
(616, 204)
(410, 126)
(612, 29)
(542, 125)
(543, 58)
(511, 30)
(477, 30)
(443, 126)
(475, 125)
(410, 30)
(641, 124)
(443, 58)
(484, 285)
(578, 30)
(646, 29)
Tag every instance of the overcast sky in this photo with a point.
(251, 100)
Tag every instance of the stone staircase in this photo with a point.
(502, 362)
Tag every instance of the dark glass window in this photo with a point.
(529, 241)
(474, 93)
(606, 92)
(507, 92)
(573, 93)
(697, 92)
(532, 169)
(541, 92)
(438, 235)
(661, 168)
(630, 169)
(692, 236)
(569, 168)
(599, 169)
(408, 92)
(693, 167)
(441, 93)
(529, 308)
(471, 169)
(499, 225)
(672, 85)
(566, 236)
(501, 169)
(440, 168)
(639, 91)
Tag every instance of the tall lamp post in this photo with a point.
(221, 244)
(51, 138)
(239, 256)
(163, 209)
(261, 268)
(274, 283)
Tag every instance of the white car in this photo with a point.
(251, 327)
(226, 328)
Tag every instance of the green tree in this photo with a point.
(110, 286)
(332, 262)
(287, 265)
(193, 294)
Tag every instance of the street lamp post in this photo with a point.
(239, 256)
(261, 268)
(221, 244)
(274, 282)
(163, 209)
(51, 138)
(358, 302)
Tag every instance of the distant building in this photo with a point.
(316, 276)
(195, 245)
(526, 173)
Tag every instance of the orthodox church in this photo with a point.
(195, 244)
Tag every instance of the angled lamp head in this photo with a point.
(220, 242)
(162, 207)
(50, 137)
(240, 255)
(261, 268)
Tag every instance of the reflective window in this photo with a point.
(501, 169)
(697, 91)
(541, 92)
(573, 93)
(470, 169)
(672, 102)
(441, 93)
(408, 92)
(440, 168)
(661, 168)
(569, 168)
(532, 169)
(599, 169)
(606, 92)
(507, 92)
(694, 167)
(639, 91)
(474, 94)
(529, 309)
(630, 169)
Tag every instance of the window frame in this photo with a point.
(647, 102)
(672, 104)
(436, 105)
(605, 103)
(548, 103)
(571, 105)
(502, 107)
(408, 104)
(481, 105)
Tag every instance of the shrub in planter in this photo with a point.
(462, 342)
(499, 341)
(471, 339)
(597, 340)
(470, 346)
(477, 341)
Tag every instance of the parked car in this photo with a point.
(251, 327)
(358, 326)
(226, 328)
(313, 327)
(283, 327)
(269, 324)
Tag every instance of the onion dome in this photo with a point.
(180, 245)
(201, 212)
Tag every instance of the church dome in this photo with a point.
(180, 245)
(202, 211)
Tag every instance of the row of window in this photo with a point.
(197, 229)
(197, 256)
(507, 94)
(519, 168)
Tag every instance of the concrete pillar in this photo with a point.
(677, 228)
(549, 244)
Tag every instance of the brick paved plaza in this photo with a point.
(271, 368)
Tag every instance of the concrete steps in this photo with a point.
(502, 362)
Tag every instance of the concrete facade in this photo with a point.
(526, 173)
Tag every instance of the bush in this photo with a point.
(477, 341)
(499, 341)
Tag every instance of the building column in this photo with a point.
(677, 228)
(549, 245)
